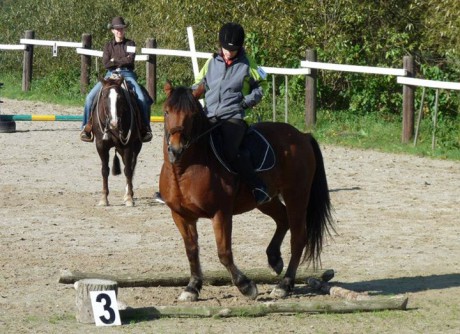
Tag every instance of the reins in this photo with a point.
(105, 128)
(219, 122)
(127, 97)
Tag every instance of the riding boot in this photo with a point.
(86, 134)
(144, 125)
(243, 166)
(146, 134)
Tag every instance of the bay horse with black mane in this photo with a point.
(195, 184)
(116, 123)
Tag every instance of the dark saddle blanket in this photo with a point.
(262, 154)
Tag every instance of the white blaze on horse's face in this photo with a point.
(113, 108)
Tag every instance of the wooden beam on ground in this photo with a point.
(222, 277)
(337, 291)
(257, 310)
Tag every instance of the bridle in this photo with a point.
(189, 142)
(104, 125)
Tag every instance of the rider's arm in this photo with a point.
(107, 56)
(201, 77)
(255, 85)
(125, 58)
(116, 55)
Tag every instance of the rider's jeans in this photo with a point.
(131, 78)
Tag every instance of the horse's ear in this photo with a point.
(168, 88)
(198, 92)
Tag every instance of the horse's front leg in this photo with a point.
(187, 228)
(222, 225)
(105, 170)
(128, 161)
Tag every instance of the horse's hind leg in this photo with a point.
(105, 170)
(277, 211)
(297, 226)
(129, 160)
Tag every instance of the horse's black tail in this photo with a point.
(319, 216)
(116, 169)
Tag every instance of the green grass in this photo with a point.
(343, 128)
(44, 89)
(372, 131)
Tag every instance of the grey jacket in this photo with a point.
(231, 89)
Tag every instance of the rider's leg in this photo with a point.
(233, 132)
(243, 165)
(85, 134)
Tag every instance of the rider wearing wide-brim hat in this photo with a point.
(118, 22)
(116, 57)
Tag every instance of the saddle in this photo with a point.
(260, 150)
(133, 98)
(130, 95)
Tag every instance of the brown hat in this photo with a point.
(117, 23)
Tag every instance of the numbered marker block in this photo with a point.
(84, 305)
(105, 308)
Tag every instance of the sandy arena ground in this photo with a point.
(397, 220)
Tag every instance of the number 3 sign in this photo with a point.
(105, 308)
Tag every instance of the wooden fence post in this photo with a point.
(310, 92)
(151, 70)
(86, 41)
(28, 62)
(408, 102)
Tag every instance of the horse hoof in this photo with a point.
(129, 203)
(187, 296)
(250, 290)
(278, 292)
(103, 203)
(278, 267)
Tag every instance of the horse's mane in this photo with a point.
(181, 98)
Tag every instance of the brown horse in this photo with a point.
(115, 123)
(195, 185)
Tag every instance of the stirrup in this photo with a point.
(261, 195)
(86, 137)
(147, 137)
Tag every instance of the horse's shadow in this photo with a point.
(344, 189)
(401, 285)
(44, 130)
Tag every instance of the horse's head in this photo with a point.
(182, 110)
(112, 102)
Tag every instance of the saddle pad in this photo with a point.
(261, 152)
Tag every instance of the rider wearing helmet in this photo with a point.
(234, 84)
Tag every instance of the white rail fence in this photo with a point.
(354, 68)
(405, 76)
(428, 84)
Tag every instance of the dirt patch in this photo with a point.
(397, 216)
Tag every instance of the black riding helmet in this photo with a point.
(231, 36)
